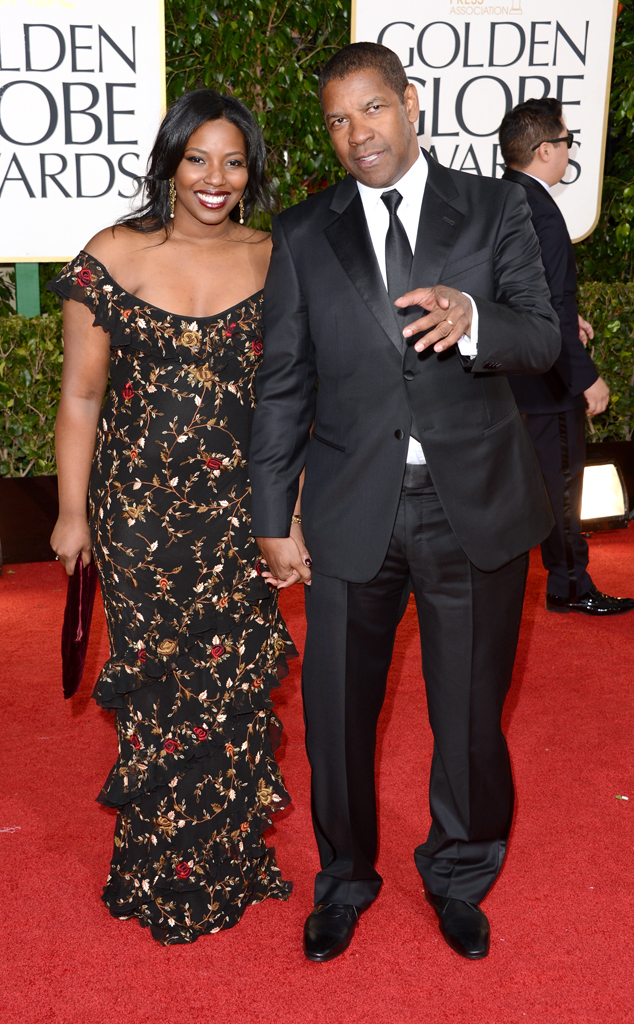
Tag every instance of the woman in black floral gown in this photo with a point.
(196, 637)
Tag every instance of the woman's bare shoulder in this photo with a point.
(259, 250)
(113, 244)
(261, 236)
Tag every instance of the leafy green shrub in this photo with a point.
(49, 302)
(610, 310)
(608, 254)
(268, 54)
(7, 292)
(30, 376)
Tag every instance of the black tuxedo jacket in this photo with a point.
(328, 318)
(562, 386)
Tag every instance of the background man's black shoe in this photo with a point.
(328, 930)
(463, 926)
(592, 603)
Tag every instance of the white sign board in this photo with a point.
(82, 86)
(474, 60)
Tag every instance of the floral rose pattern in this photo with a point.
(84, 277)
(196, 638)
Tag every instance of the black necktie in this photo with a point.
(398, 262)
(398, 253)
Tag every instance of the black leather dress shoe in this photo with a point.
(463, 926)
(328, 930)
(592, 603)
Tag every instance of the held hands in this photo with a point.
(597, 397)
(448, 311)
(70, 537)
(287, 559)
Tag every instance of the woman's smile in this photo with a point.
(212, 199)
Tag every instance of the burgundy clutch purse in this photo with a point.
(80, 598)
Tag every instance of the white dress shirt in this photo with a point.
(543, 183)
(412, 188)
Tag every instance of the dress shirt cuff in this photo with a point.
(469, 345)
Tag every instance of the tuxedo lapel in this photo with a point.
(438, 227)
(350, 240)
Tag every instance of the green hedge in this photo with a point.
(30, 376)
(31, 364)
(608, 254)
(610, 310)
(268, 54)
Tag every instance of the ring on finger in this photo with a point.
(450, 322)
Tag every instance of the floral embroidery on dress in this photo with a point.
(196, 637)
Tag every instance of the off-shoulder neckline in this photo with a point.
(150, 305)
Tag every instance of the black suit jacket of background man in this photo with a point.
(553, 403)
(328, 317)
(573, 372)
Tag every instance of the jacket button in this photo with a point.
(409, 375)
(491, 365)
(399, 435)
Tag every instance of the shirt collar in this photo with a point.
(411, 186)
(540, 180)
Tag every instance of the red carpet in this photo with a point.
(561, 912)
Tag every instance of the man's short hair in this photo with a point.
(526, 126)
(361, 57)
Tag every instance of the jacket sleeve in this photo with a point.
(574, 364)
(285, 387)
(519, 330)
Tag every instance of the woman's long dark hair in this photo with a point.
(185, 116)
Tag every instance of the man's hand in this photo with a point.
(286, 562)
(586, 332)
(448, 311)
(597, 397)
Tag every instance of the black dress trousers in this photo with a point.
(559, 440)
(469, 622)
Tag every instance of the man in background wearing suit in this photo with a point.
(534, 142)
(418, 472)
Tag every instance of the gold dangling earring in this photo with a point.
(241, 208)
(172, 198)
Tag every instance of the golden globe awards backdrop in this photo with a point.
(82, 91)
(472, 61)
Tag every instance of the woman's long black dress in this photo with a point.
(196, 637)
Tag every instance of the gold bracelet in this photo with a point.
(296, 519)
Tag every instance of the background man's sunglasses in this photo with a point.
(568, 139)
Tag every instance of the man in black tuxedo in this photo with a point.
(534, 142)
(418, 472)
